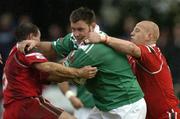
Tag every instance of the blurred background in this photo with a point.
(115, 17)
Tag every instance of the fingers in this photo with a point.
(31, 44)
(92, 71)
(87, 72)
(93, 37)
(86, 41)
(92, 74)
(30, 47)
(26, 45)
(21, 46)
(91, 29)
(1, 62)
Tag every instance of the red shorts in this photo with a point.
(31, 108)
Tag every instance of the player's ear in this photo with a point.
(30, 36)
(150, 36)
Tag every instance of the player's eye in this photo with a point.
(137, 30)
(80, 29)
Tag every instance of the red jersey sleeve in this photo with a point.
(34, 57)
(37, 57)
(151, 59)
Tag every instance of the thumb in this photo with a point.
(91, 29)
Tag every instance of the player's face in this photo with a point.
(138, 35)
(80, 30)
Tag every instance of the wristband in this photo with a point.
(69, 93)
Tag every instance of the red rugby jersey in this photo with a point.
(155, 79)
(20, 79)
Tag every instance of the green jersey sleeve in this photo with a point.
(64, 46)
(79, 58)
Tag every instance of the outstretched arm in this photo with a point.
(124, 46)
(61, 73)
(45, 47)
(118, 44)
(47, 50)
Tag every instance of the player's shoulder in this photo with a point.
(34, 50)
(152, 49)
(35, 54)
(69, 36)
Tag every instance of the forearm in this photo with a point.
(123, 46)
(57, 70)
(120, 45)
(47, 49)
(64, 87)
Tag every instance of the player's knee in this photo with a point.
(66, 115)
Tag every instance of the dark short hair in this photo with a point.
(84, 14)
(25, 29)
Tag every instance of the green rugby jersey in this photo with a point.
(63, 47)
(114, 85)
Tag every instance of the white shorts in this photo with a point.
(82, 113)
(136, 110)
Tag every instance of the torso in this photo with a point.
(155, 79)
(21, 80)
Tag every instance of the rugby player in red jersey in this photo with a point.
(24, 77)
(150, 67)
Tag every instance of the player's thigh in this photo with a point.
(135, 110)
(13, 110)
(95, 113)
(82, 113)
(36, 109)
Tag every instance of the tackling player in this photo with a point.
(24, 76)
(150, 67)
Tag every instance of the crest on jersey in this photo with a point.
(71, 56)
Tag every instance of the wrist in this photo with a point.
(105, 39)
(37, 43)
(69, 94)
(78, 73)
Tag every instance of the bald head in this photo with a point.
(150, 27)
